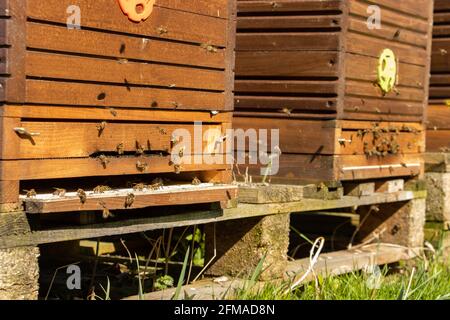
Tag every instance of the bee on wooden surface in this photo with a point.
(181, 152)
(162, 131)
(139, 187)
(101, 189)
(104, 160)
(157, 183)
(101, 127)
(30, 193)
(129, 200)
(162, 30)
(176, 105)
(177, 168)
(113, 112)
(141, 166)
(139, 149)
(59, 192)
(120, 149)
(82, 195)
(196, 181)
(154, 104)
(209, 47)
(286, 111)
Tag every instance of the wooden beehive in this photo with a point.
(104, 100)
(438, 113)
(310, 69)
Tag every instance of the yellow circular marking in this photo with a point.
(387, 71)
(137, 10)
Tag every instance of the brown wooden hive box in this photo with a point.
(103, 100)
(313, 70)
(438, 113)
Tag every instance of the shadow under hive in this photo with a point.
(106, 99)
(438, 134)
(347, 97)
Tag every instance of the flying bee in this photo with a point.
(286, 111)
(129, 200)
(103, 160)
(106, 213)
(82, 195)
(31, 193)
(101, 189)
(59, 192)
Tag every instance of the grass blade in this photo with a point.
(181, 279)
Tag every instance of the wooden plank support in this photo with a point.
(160, 220)
(329, 264)
(117, 199)
(288, 193)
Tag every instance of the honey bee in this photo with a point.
(113, 112)
(82, 195)
(30, 193)
(154, 104)
(101, 189)
(208, 47)
(139, 149)
(141, 166)
(177, 168)
(162, 30)
(129, 200)
(162, 131)
(106, 213)
(181, 152)
(104, 160)
(59, 192)
(120, 149)
(196, 181)
(287, 111)
(157, 183)
(139, 187)
(101, 127)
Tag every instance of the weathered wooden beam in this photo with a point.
(198, 217)
(335, 263)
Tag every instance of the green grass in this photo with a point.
(426, 280)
